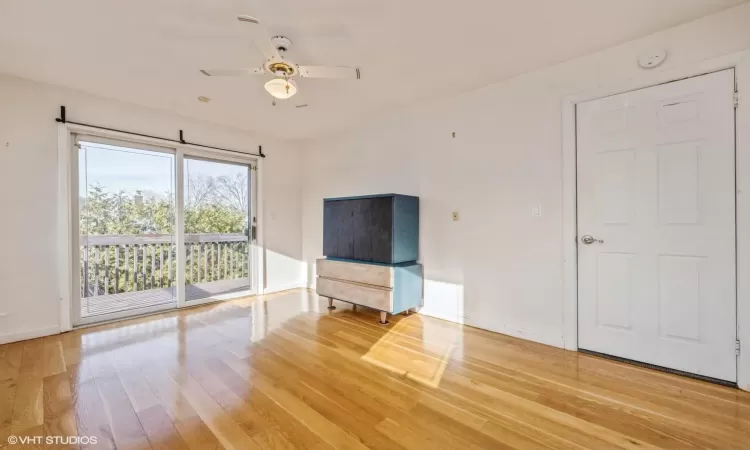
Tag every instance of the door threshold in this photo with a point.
(152, 313)
(660, 368)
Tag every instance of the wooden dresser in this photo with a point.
(389, 288)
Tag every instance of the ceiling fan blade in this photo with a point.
(297, 101)
(233, 72)
(288, 104)
(329, 72)
(261, 38)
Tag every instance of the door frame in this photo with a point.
(73, 158)
(67, 223)
(740, 62)
(252, 253)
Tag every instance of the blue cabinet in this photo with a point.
(372, 245)
(375, 228)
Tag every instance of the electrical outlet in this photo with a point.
(455, 216)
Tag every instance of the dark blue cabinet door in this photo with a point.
(359, 229)
(379, 228)
(338, 230)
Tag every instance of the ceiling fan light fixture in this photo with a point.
(281, 88)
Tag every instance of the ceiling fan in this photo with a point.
(282, 85)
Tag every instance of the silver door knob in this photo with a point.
(588, 240)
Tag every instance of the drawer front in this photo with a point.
(372, 297)
(359, 273)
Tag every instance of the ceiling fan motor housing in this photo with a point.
(282, 69)
(282, 43)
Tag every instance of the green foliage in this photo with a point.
(214, 219)
(108, 213)
(213, 205)
(112, 213)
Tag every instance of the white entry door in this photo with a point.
(656, 226)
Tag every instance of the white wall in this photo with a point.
(28, 194)
(498, 267)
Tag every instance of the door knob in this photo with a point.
(588, 240)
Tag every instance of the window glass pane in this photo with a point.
(216, 229)
(127, 229)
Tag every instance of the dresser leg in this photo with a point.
(383, 318)
(330, 304)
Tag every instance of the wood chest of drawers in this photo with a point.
(389, 288)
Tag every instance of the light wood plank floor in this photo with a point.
(283, 372)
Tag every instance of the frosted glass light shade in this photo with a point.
(281, 88)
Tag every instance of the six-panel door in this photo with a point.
(656, 184)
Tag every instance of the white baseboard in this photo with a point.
(448, 318)
(534, 336)
(571, 344)
(541, 338)
(285, 287)
(31, 334)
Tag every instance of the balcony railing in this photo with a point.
(114, 264)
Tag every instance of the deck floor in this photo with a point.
(112, 303)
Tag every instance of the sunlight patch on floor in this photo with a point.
(402, 353)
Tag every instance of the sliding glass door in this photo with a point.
(217, 229)
(126, 219)
(132, 207)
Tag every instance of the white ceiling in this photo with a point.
(149, 51)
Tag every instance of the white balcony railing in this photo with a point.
(115, 264)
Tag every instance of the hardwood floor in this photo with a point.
(284, 372)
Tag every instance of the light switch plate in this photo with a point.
(455, 216)
(536, 211)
